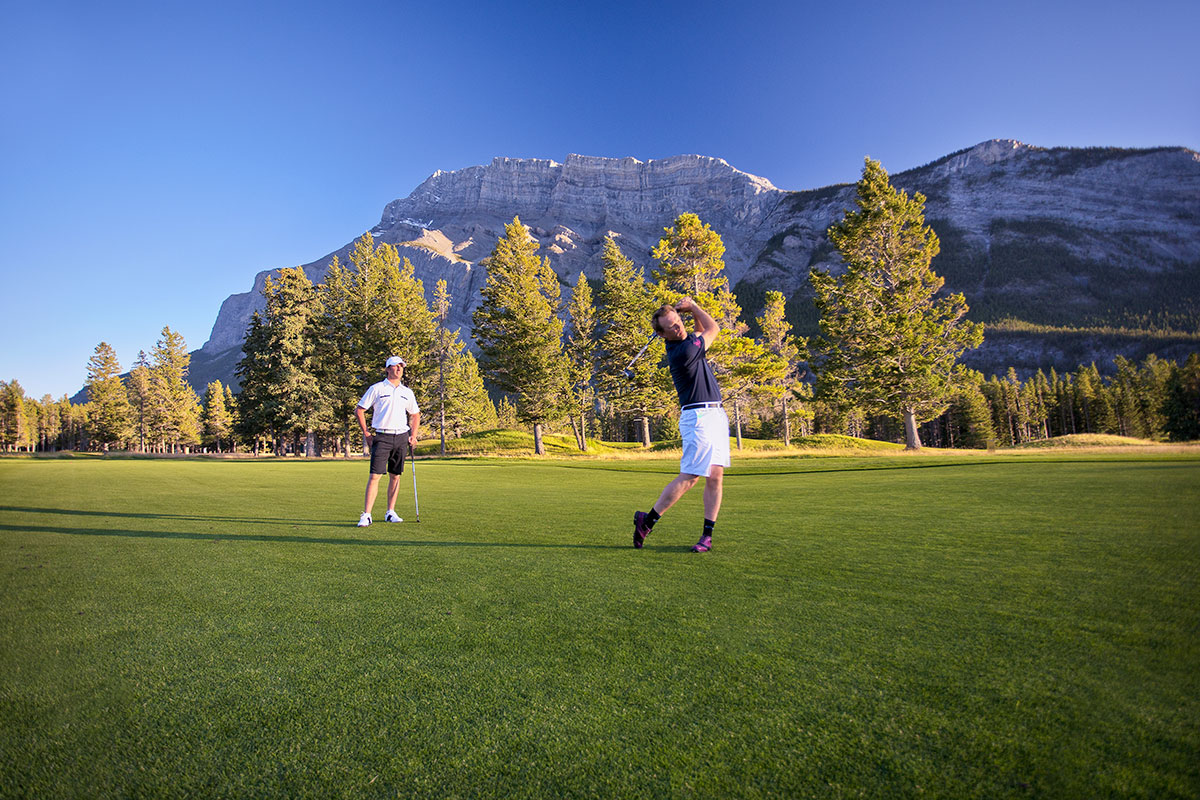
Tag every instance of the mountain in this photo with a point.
(1071, 243)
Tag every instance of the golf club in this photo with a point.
(416, 505)
(628, 371)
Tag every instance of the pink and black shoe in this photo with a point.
(640, 529)
(702, 546)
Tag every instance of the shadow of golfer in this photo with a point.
(293, 539)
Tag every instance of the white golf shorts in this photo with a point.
(705, 435)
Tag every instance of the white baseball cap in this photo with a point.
(394, 360)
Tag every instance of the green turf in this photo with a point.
(1021, 626)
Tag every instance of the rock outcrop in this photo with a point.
(1056, 234)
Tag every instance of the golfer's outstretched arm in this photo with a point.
(706, 326)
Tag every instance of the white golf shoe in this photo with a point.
(392, 516)
(364, 520)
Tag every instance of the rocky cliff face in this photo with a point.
(1048, 235)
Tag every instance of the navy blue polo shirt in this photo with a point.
(693, 377)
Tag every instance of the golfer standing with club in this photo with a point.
(396, 420)
(703, 425)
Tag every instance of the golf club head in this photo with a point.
(628, 373)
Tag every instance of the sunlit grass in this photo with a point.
(879, 626)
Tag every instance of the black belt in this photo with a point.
(701, 405)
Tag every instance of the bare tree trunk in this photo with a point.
(645, 430)
(582, 431)
(538, 447)
(787, 425)
(310, 444)
(578, 431)
(737, 417)
(912, 439)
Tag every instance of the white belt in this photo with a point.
(385, 430)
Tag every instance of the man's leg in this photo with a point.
(372, 491)
(393, 490)
(712, 507)
(712, 491)
(675, 490)
(643, 522)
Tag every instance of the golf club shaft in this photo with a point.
(413, 464)
(633, 360)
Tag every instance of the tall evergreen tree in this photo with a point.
(370, 312)
(110, 420)
(690, 261)
(1181, 408)
(445, 351)
(518, 330)
(138, 388)
(690, 257)
(174, 407)
(49, 423)
(885, 342)
(1153, 378)
(581, 352)
(623, 319)
(468, 407)
(13, 425)
(216, 420)
(778, 339)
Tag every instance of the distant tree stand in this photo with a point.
(886, 345)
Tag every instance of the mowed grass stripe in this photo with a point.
(1011, 628)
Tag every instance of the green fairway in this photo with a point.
(1005, 626)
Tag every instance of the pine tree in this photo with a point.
(174, 408)
(1181, 407)
(371, 312)
(49, 423)
(581, 352)
(777, 338)
(297, 402)
(885, 342)
(468, 407)
(138, 388)
(1153, 377)
(12, 415)
(255, 401)
(518, 330)
(235, 418)
(445, 351)
(970, 414)
(690, 261)
(626, 304)
(110, 420)
(216, 419)
(690, 257)
(463, 403)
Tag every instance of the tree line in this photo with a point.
(555, 356)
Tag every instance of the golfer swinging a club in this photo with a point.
(396, 419)
(703, 426)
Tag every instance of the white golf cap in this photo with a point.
(393, 361)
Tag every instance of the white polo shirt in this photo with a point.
(391, 406)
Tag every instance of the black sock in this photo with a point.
(652, 517)
(708, 526)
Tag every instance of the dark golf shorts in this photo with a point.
(387, 453)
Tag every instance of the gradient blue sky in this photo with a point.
(156, 155)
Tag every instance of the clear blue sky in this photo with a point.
(156, 155)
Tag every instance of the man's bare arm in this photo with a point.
(706, 326)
